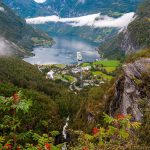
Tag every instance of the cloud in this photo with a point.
(5, 49)
(2, 9)
(40, 1)
(94, 20)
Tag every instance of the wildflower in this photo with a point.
(48, 146)
(16, 98)
(120, 116)
(8, 146)
(85, 148)
(95, 130)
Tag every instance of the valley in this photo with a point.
(74, 75)
(83, 75)
(64, 51)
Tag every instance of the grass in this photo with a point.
(68, 78)
(86, 64)
(110, 69)
(60, 65)
(65, 77)
(104, 76)
(107, 63)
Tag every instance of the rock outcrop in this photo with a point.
(131, 88)
(127, 45)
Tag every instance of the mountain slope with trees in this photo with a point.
(52, 102)
(135, 37)
(72, 8)
(19, 37)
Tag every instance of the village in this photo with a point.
(83, 74)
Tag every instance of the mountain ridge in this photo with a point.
(74, 8)
(16, 35)
(132, 39)
(71, 8)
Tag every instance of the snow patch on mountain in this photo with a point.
(2, 9)
(94, 20)
(40, 1)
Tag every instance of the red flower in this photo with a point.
(16, 98)
(48, 146)
(18, 148)
(120, 116)
(85, 148)
(8, 146)
(95, 130)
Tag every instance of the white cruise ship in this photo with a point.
(79, 56)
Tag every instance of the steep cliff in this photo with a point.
(131, 88)
(135, 37)
(16, 37)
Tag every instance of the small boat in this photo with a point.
(79, 56)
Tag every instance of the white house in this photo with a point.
(50, 74)
(87, 68)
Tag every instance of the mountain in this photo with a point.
(132, 87)
(129, 93)
(16, 37)
(134, 38)
(70, 8)
(52, 102)
(73, 8)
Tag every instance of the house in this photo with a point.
(87, 68)
(50, 75)
(76, 70)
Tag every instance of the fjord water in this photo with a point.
(64, 51)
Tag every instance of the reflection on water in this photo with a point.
(64, 52)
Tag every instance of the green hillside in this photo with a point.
(134, 38)
(72, 8)
(21, 36)
(139, 29)
(51, 101)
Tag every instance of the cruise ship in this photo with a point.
(79, 56)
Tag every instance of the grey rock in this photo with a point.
(128, 92)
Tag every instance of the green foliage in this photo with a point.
(11, 121)
(117, 133)
(144, 53)
(108, 63)
(144, 134)
(10, 126)
(53, 100)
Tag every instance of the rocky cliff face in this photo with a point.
(127, 45)
(131, 88)
(134, 38)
